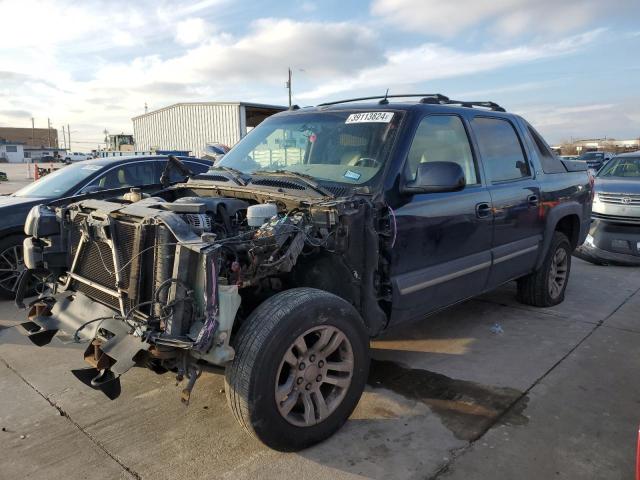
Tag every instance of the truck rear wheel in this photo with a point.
(301, 364)
(546, 287)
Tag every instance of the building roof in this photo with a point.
(181, 104)
(52, 149)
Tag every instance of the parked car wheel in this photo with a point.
(11, 264)
(546, 286)
(302, 360)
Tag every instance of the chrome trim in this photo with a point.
(444, 278)
(509, 256)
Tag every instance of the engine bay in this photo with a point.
(163, 280)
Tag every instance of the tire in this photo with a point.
(11, 264)
(268, 363)
(536, 288)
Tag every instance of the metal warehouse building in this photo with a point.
(190, 126)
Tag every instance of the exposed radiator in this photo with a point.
(138, 264)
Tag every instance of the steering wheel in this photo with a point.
(367, 162)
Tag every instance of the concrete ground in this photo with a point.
(489, 389)
(19, 175)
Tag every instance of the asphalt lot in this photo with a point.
(489, 389)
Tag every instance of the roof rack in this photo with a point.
(429, 98)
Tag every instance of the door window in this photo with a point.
(129, 175)
(500, 149)
(441, 138)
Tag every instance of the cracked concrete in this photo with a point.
(569, 373)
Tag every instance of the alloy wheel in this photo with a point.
(558, 272)
(314, 376)
(11, 267)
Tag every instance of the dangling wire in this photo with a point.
(395, 225)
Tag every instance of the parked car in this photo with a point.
(49, 158)
(75, 179)
(320, 229)
(614, 236)
(595, 160)
(77, 157)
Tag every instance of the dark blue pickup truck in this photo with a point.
(323, 227)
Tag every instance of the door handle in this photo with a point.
(532, 200)
(483, 210)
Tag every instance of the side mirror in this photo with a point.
(433, 177)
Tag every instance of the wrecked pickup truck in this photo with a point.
(322, 228)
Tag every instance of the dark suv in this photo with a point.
(320, 229)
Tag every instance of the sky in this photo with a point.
(570, 67)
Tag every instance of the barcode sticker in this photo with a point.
(370, 117)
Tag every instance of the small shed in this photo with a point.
(12, 152)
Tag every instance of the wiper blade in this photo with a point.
(238, 176)
(306, 179)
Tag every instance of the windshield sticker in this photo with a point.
(352, 175)
(369, 117)
(92, 167)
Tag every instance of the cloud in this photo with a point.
(597, 120)
(501, 17)
(18, 114)
(221, 66)
(432, 61)
(323, 50)
(192, 31)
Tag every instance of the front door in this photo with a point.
(442, 252)
(515, 195)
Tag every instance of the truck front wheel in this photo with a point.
(545, 287)
(301, 365)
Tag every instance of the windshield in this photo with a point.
(591, 156)
(59, 182)
(622, 167)
(339, 147)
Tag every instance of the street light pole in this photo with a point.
(289, 85)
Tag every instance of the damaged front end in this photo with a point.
(157, 281)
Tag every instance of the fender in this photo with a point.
(5, 232)
(554, 216)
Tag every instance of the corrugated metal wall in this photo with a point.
(188, 127)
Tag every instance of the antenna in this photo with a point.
(384, 101)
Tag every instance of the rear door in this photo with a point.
(442, 252)
(515, 196)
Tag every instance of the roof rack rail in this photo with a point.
(383, 97)
(428, 98)
(491, 105)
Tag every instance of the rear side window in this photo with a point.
(550, 163)
(500, 149)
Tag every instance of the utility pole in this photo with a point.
(64, 138)
(288, 85)
(33, 132)
(69, 135)
(49, 131)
